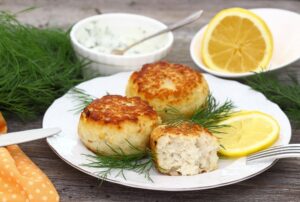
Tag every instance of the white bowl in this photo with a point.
(285, 29)
(107, 64)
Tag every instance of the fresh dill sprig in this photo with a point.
(82, 98)
(208, 116)
(140, 162)
(36, 66)
(286, 95)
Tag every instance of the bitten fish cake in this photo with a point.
(118, 122)
(184, 149)
(165, 86)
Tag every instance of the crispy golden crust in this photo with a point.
(162, 79)
(115, 109)
(185, 129)
(3, 127)
(116, 120)
(164, 85)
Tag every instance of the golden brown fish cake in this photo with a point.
(164, 85)
(114, 120)
(184, 149)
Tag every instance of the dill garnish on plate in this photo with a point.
(82, 99)
(140, 162)
(208, 116)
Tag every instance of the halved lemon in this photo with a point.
(247, 132)
(237, 40)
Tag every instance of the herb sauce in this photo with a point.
(104, 37)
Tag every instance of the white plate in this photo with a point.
(68, 146)
(283, 25)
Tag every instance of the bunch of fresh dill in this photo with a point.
(36, 66)
(286, 95)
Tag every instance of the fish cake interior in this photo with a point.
(185, 149)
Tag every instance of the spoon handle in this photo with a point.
(191, 18)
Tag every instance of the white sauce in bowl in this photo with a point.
(103, 37)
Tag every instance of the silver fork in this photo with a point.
(276, 152)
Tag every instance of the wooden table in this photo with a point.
(280, 183)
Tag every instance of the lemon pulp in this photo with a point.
(237, 40)
(247, 132)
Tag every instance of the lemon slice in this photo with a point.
(237, 40)
(247, 132)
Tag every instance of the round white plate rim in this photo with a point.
(239, 75)
(160, 188)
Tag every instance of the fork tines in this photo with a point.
(281, 151)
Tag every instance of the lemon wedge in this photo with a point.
(247, 132)
(237, 40)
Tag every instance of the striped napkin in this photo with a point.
(20, 179)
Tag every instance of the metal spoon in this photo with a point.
(181, 23)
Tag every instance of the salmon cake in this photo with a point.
(117, 122)
(165, 86)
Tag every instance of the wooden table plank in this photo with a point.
(280, 183)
